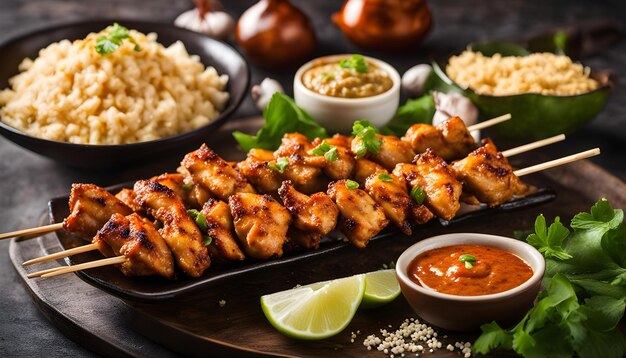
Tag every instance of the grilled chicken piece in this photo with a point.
(256, 169)
(487, 174)
(213, 173)
(179, 231)
(139, 242)
(392, 151)
(316, 213)
(91, 206)
(431, 173)
(260, 223)
(220, 223)
(343, 167)
(450, 140)
(392, 195)
(127, 196)
(361, 217)
(304, 170)
(364, 168)
(298, 239)
(184, 188)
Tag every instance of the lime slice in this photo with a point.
(315, 311)
(380, 287)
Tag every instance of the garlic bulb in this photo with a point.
(414, 79)
(262, 93)
(454, 104)
(216, 24)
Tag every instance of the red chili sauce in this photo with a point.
(493, 270)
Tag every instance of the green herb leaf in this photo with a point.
(492, 337)
(280, 165)
(207, 240)
(560, 42)
(327, 150)
(282, 116)
(549, 241)
(468, 259)
(351, 184)
(327, 76)
(356, 62)
(116, 34)
(369, 141)
(187, 187)
(199, 218)
(385, 177)
(418, 194)
(418, 110)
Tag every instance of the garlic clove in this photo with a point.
(454, 104)
(263, 92)
(216, 24)
(414, 79)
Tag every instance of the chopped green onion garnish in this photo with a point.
(326, 75)
(369, 141)
(468, 259)
(351, 184)
(280, 165)
(357, 62)
(207, 240)
(417, 193)
(327, 150)
(385, 177)
(187, 187)
(199, 218)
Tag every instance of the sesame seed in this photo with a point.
(222, 303)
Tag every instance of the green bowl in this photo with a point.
(534, 116)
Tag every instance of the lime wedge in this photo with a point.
(315, 311)
(380, 287)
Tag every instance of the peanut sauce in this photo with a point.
(495, 270)
(330, 79)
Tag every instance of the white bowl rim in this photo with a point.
(478, 239)
(393, 74)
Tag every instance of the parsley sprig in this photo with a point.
(329, 151)
(369, 141)
(107, 44)
(356, 62)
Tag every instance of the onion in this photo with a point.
(414, 79)
(454, 104)
(263, 92)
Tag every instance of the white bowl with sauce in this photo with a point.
(468, 313)
(337, 114)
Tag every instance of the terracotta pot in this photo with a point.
(274, 33)
(384, 25)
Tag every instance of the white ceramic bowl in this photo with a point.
(467, 313)
(338, 114)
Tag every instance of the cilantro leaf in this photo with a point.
(549, 241)
(116, 34)
(280, 165)
(282, 116)
(493, 337)
(356, 62)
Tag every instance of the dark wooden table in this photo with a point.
(27, 181)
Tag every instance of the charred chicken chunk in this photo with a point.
(304, 170)
(179, 231)
(450, 140)
(298, 239)
(91, 206)
(316, 213)
(487, 174)
(139, 242)
(392, 195)
(127, 196)
(209, 170)
(392, 151)
(261, 224)
(343, 166)
(441, 188)
(220, 229)
(361, 217)
(256, 168)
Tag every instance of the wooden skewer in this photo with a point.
(557, 162)
(43, 272)
(534, 145)
(61, 254)
(489, 123)
(33, 231)
(85, 266)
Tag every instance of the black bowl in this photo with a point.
(220, 55)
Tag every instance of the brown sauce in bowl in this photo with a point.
(330, 79)
(493, 270)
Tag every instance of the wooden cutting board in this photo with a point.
(197, 325)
